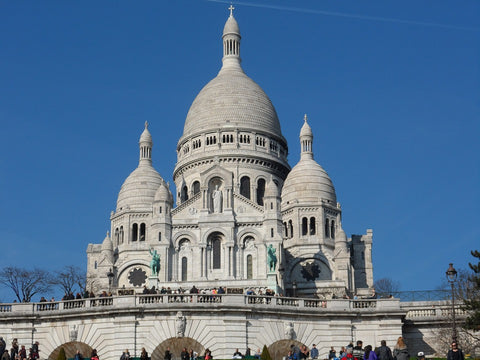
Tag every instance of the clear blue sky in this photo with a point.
(392, 91)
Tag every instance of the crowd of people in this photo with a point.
(349, 352)
(18, 352)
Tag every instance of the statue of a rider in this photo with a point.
(271, 257)
(155, 263)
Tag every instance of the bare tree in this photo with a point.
(386, 286)
(69, 279)
(25, 283)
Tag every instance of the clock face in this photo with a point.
(137, 277)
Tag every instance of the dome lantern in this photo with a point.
(306, 140)
(146, 145)
(231, 43)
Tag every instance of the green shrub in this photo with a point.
(265, 354)
(61, 354)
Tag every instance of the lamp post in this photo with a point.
(294, 287)
(452, 277)
(110, 276)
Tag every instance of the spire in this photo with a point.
(306, 140)
(145, 147)
(231, 43)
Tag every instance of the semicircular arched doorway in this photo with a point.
(176, 345)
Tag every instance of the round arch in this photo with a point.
(71, 349)
(176, 346)
(279, 349)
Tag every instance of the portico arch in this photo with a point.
(71, 349)
(176, 346)
(279, 349)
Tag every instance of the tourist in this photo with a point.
(94, 355)
(349, 354)
(22, 354)
(14, 349)
(258, 354)
(369, 353)
(168, 354)
(3, 345)
(314, 352)
(125, 355)
(237, 354)
(332, 354)
(78, 356)
(384, 352)
(342, 353)
(455, 353)
(400, 351)
(184, 354)
(248, 352)
(143, 354)
(208, 354)
(304, 353)
(5, 355)
(358, 351)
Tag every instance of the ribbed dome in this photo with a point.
(232, 99)
(138, 190)
(272, 189)
(306, 129)
(308, 182)
(146, 136)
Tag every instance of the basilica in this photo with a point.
(237, 215)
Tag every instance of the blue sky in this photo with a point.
(391, 89)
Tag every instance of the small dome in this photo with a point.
(309, 183)
(272, 189)
(107, 243)
(163, 193)
(146, 136)
(306, 129)
(138, 190)
(231, 26)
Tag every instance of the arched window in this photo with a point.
(196, 187)
(327, 228)
(312, 226)
(332, 229)
(304, 226)
(142, 232)
(290, 228)
(260, 191)
(285, 229)
(121, 234)
(159, 236)
(160, 210)
(249, 267)
(245, 186)
(117, 236)
(134, 232)
(184, 268)
(216, 253)
(271, 232)
(96, 264)
(184, 194)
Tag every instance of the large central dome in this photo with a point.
(232, 99)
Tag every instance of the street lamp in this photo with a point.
(294, 287)
(452, 277)
(110, 276)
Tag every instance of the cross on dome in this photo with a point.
(231, 8)
(305, 117)
(146, 124)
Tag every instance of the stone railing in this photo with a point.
(199, 301)
(426, 310)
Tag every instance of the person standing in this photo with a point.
(400, 351)
(78, 356)
(455, 353)
(314, 352)
(358, 351)
(144, 354)
(168, 354)
(332, 354)
(369, 354)
(384, 352)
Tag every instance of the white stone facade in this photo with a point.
(235, 196)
